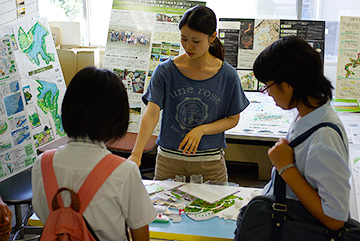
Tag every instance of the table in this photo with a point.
(215, 229)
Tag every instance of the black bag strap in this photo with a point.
(91, 230)
(279, 206)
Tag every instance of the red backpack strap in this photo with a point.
(96, 178)
(49, 178)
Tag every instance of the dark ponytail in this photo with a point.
(203, 19)
(217, 49)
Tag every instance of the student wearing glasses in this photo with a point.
(264, 89)
(201, 97)
(292, 72)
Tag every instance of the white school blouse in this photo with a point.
(323, 160)
(122, 197)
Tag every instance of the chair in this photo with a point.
(53, 145)
(17, 191)
(125, 145)
(121, 147)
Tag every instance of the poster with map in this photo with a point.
(248, 80)
(42, 81)
(31, 91)
(17, 149)
(348, 66)
(255, 36)
(250, 35)
(244, 39)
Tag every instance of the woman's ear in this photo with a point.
(213, 37)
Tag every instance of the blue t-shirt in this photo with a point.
(187, 103)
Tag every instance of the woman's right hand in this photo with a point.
(148, 123)
(281, 154)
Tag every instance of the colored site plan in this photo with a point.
(349, 67)
(3, 127)
(7, 63)
(47, 100)
(199, 209)
(248, 80)
(33, 44)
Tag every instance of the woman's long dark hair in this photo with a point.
(203, 19)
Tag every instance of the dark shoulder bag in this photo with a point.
(281, 219)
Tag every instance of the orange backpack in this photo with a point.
(67, 223)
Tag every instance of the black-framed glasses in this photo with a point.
(264, 89)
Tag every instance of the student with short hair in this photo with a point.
(95, 110)
(316, 172)
(201, 97)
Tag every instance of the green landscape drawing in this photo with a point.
(33, 44)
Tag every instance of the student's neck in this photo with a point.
(304, 110)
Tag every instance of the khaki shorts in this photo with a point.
(167, 168)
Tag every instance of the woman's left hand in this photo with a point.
(281, 154)
(191, 141)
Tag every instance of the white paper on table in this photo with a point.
(209, 193)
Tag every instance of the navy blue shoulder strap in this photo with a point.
(279, 186)
(279, 205)
(298, 140)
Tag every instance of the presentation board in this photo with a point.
(17, 150)
(142, 35)
(31, 91)
(348, 66)
(244, 39)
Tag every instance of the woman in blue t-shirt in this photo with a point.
(200, 96)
